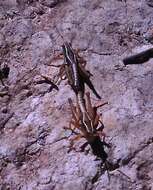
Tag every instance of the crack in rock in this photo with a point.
(133, 155)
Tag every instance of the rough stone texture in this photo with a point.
(32, 120)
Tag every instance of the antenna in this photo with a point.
(59, 33)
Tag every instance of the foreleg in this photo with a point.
(72, 141)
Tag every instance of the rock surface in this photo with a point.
(32, 156)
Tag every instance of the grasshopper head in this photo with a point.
(68, 53)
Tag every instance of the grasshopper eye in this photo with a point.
(70, 44)
(63, 46)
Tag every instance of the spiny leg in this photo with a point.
(84, 146)
(76, 116)
(57, 57)
(71, 147)
(89, 106)
(75, 125)
(68, 74)
(61, 75)
(82, 64)
(96, 121)
(49, 81)
(81, 60)
(73, 109)
(92, 111)
(100, 104)
(86, 120)
(99, 130)
(71, 129)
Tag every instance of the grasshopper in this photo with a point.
(78, 128)
(75, 71)
(95, 139)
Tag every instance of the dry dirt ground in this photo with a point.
(32, 120)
